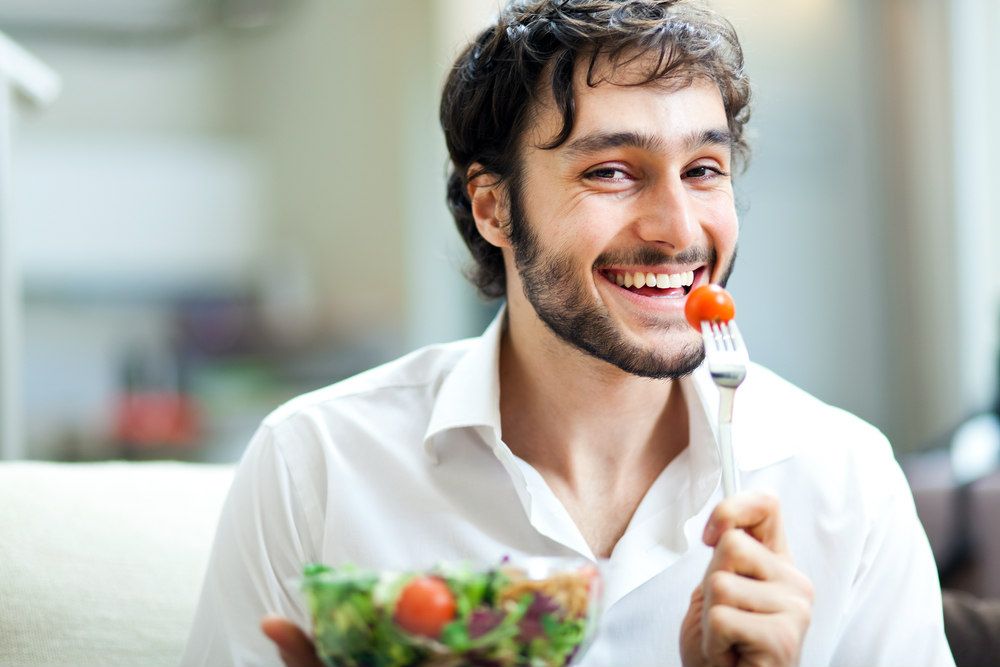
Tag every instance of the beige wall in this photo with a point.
(127, 85)
(325, 97)
(441, 304)
(975, 79)
(343, 99)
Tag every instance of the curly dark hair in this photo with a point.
(488, 96)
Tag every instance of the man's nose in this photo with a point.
(668, 215)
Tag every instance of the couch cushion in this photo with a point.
(985, 507)
(101, 564)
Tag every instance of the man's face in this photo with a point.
(640, 188)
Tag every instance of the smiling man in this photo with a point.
(593, 144)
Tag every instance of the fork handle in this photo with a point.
(730, 480)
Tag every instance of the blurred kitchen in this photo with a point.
(234, 201)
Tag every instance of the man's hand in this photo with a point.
(753, 607)
(294, 645)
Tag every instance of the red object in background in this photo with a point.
(149, 419)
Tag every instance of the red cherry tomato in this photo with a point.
(709, 303)
(425, 606)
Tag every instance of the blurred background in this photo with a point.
(234, 201)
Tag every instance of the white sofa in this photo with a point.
(101, 563)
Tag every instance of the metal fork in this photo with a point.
(727, 362)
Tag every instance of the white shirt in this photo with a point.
(404, 466)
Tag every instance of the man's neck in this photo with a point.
(599, 436)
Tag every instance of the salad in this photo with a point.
(535, 615)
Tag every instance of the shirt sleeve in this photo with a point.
(261, 543)
(894, 616)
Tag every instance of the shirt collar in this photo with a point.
(470, 397)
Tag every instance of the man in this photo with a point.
(590, 140)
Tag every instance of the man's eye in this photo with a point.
(704, 172)
(608, 174)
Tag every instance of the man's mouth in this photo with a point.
(652, 283)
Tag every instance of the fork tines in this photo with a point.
(725, 336)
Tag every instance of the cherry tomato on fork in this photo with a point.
(425, 606)
(709, 303)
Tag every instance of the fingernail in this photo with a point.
(708, 537)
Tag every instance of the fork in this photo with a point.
(727, 362)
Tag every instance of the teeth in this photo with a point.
(660, 280)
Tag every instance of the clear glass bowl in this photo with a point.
(534, 611)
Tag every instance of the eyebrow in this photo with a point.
(599, 141)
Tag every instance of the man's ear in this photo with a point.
(490, 208)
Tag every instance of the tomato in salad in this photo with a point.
(425, 606)
(709, 303)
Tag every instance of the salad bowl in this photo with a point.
(536, 612)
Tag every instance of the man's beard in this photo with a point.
(569, 311)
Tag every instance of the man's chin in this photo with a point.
(667, 350)
(650, 362)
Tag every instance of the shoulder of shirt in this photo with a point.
(794, 412)
(422, 368)
(829, 450)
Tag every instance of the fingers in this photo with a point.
(756, 513)
(755, 606)
(691, 631)
(293, 644)
(740, 553)
(732, 590)
(756, 639)
(744, 573)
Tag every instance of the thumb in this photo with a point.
(293, 644)
(691, 630)
(759, 514)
